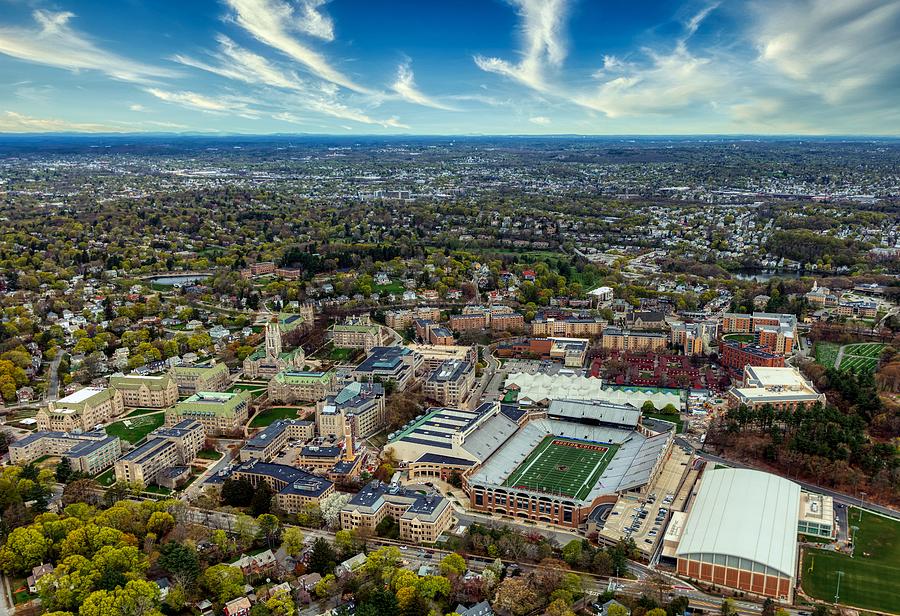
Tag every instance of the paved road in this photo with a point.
(6, 602)
(53, 386)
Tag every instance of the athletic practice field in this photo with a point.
(564, 466)
(869, 579)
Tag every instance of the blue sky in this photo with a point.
(451, 66)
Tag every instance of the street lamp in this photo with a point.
(853, 530)
(838, 589)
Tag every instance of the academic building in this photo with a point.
(422, 517)
(152, 392)
(88, 452)
(208, 377)
(219, 412)
(81, 411)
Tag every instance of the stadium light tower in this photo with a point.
(837, 591)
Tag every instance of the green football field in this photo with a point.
(870, 578)
(560, 465)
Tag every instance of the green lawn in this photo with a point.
(394, 287)
(340, 355)
(107, 477)
(139, 428)
(268, 416)
(826, 353)
(675, 419)
(208, 454)
(870, 577)
(748, 338)
(255, 389)
(137, 412)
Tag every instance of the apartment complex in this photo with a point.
(219, 412)
(88, 452)
(777, 332)
(153, 392)
(784, 389)
(451, 383)
(497, 318)
(165, 448)
(689, 336)
(567, 326)
(862, 308)
(618, 339)
(401, 319)
(422, 517)
(258, 269)
(735, 355)
(296, 386)
(81, 411)
(205, 377)
(431, 332)
(265, 444)
(395, 364)
(358, 406)
(294, 489)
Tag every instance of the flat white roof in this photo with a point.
(744, 514)
(776, 377)
(81, 395)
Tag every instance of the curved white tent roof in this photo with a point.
(745, 519)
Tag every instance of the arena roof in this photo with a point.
(543, 387)
(744, 514)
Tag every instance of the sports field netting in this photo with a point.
(560, 465)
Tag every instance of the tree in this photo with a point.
(160, 523)
(617, 609)
(25, 549)
(223, 582)
(262, 500)
(648, 407)
(136, 598)
(768, 607)
(293, 541)
(81, 491)
(326, 586)
(433, 587)
(516, 597)
(180, 562)
(728, 608)
(269, 528)
(559, 607)
(281, 604)
(453, 564)
(331, 507)
(63, 470)
(323, 558)
(237, 492)
(571, 552)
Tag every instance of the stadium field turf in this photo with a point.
(560, 465)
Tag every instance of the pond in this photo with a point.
(171, 281)
(759, 274)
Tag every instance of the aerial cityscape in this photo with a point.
(513, 308)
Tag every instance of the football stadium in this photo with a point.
(557, 467)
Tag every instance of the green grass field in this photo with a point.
(562, 465)
(106, 478)
(748, 338)
(861, 357)
(870, 579)
(209, 454)
(137, 412)
(139, 427)
(268, 416)
(826, 353)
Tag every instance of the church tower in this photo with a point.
(273, 340)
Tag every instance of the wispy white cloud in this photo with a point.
(13, 122)
(314, 22)
(53, 42)
(202, 102)
(238, 63)
(405, 87)
(137, 107)
(842, 51)
(273, 22)
(540, 120)
(542, 40)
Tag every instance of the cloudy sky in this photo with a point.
(451, 66)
